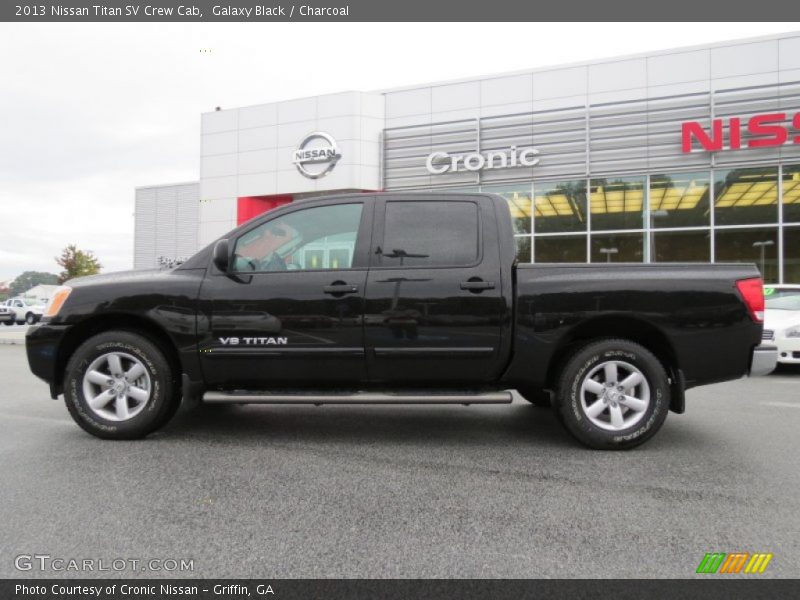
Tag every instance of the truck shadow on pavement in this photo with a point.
(429, 425)
(521, 425)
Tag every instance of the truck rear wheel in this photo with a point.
(119, 385)
(613, 394)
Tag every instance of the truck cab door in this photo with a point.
(289, 310)
(434, 303)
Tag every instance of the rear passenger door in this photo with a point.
(433, 305)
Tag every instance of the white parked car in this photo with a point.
(19, 311)
(782, 321)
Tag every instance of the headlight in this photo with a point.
(57, 301)
(792, 332)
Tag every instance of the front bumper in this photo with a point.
(6, 317)
(41, 344)
(764, 361)
(788, 350)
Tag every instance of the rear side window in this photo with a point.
(430, 234)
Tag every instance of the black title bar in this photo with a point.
(388, 589)
(69, 11)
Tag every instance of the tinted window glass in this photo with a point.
(679, 199)
(743, 196)
(430, 234)
(560, 206)
(621, 247)
(680, 246)
(791, 255)
(561, 249)
(754, 246)
(791, 193)
(617, 203)
(317, 238)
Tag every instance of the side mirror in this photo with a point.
(221, 255)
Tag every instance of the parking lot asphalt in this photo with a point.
(402, 491)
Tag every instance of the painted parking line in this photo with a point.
(782, 404)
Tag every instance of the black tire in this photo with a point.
(538, 397)
(569, 407)
(9, 323)
(160, 406)
(30, 318)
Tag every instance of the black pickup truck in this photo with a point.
(397, 298)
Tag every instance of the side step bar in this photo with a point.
(503, 397)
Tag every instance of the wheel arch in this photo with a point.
(92, 326)
(636, 330)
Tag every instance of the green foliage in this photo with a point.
(31, 279)
(77, 263)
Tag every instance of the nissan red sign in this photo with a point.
(762, 130)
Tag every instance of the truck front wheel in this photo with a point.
(120, 386)
(613, 394)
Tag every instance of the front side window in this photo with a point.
(430, 234)
(323, 237)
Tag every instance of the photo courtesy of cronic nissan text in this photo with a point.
(357, 299)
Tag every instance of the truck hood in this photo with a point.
(119, 277)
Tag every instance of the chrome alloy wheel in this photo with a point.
(116, 386)
(615, 395)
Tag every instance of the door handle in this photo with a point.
(340, 289)
(477, 286)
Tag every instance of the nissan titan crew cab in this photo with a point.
(397, 298)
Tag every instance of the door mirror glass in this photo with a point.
(221, 255)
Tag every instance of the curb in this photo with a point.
(12, 342)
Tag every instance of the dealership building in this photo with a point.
(684, 155)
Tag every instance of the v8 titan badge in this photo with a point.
(316, 155)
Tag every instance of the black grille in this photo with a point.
(767, 334)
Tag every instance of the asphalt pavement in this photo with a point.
(402, 491)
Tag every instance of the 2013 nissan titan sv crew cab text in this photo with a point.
(397, 298)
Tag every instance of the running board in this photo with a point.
(357, 398)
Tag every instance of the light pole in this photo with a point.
(608, 252)
(761, 246)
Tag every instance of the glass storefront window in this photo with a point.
(619, 247)
(680, 199)
(519, 203)
(757, 246)
(680, 246)
(746, 196)
(617, 203)
(560, 206)
(560, 249)
(791, 255)
(791, 194)
(523, 248)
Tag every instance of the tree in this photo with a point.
(77, 263)
(31, 279)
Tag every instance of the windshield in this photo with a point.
(782, 299)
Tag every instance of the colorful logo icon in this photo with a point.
(735, 562)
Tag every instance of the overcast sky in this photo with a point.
(89, 111)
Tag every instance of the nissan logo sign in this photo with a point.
(438, 163)
(316, 155)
